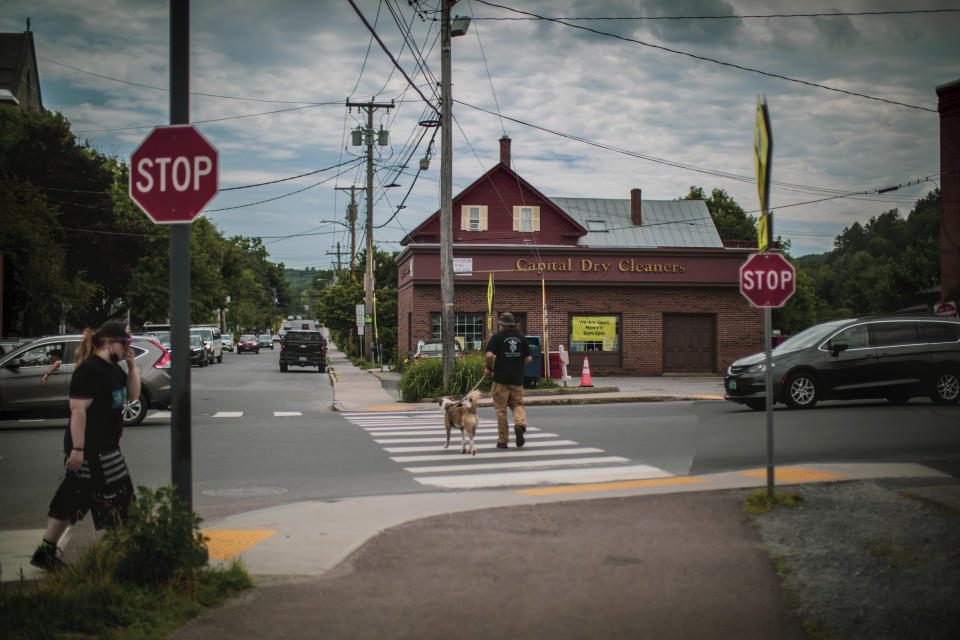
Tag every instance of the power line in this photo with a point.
(390, 55)
(737, 16)
(167, 89)
(711, 60)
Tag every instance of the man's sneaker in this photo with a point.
(48, 559)
(518, 430)
(501, 445)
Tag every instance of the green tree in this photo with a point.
(732, 223)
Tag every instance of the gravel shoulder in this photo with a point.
(868, 559)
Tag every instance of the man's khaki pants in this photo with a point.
(508, 395)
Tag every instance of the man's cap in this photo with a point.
(506, 318)
(113, 330)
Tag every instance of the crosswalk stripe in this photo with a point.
(550, 476)
(523, 453)
(286, 414)
(455, 442)
(228, 414)
(522, 464)
(453, 436)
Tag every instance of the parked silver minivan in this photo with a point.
(212, 341)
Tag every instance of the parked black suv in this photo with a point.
(892, 357)
(303, 349)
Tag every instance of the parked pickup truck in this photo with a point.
(303, 349)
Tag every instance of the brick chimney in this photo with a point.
(635, 200)
(505, 150)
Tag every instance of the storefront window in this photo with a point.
(468, 328)
(594, 333)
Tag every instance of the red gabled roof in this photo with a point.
(500, 189)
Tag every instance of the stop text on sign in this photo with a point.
(773, 280)
(182, 173)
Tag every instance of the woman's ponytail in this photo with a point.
(91, 340)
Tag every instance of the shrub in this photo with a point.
(424, 378)
(160, 539)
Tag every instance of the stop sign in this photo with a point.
(173, 174)
(767, 280)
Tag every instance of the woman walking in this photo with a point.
(97, 479)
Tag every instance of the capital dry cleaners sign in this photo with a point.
(584, 265)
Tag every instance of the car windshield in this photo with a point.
(195, 340)
(809, 337)
(248, 338)
(264, 336)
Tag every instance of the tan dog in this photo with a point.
(463, 416)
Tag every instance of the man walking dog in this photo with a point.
(512, 354)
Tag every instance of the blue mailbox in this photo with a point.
(533, 370)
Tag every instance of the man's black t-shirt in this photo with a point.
(106, 384)
(511, 350)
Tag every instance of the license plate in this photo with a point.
(732, 384)
(303, 359)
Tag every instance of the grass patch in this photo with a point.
(758, 502)
(892, 553)
(140, 581)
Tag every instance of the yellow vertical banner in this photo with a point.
(545, 353)
(376, 334)
(762, 161)
(490, 303)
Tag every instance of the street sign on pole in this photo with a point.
(174, 174)
(762, 160)
(767, 280)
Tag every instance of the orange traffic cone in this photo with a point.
(585, 380)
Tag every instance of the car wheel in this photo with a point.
(203, 360)
(802, 391)
(219, 358)
(756, 405)
(134, 412)
(323, 367)
(283, 367)
(946, 388)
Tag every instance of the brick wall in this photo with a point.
(739, 326)
(949, 106)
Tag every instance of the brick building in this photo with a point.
(641, 287)
(949, 107)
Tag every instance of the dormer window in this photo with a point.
(526, 219)
(597, 225)
(473, 217)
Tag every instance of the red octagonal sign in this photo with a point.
(767, 280)
(174, 174)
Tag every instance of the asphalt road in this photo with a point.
(262, 437)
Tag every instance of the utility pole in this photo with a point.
(447, 315)
(368, 284)
(352, 217)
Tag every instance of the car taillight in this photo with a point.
(283, 348)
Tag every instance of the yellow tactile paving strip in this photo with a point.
(794, 474)
(604, 486)
(225, 544)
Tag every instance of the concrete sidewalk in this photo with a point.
(356, 389)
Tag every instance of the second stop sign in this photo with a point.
(767, 280)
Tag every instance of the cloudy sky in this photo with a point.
(653, 104)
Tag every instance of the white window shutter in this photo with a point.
(483, 219)
(536, 219)
(464, 218)
(516, 218)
